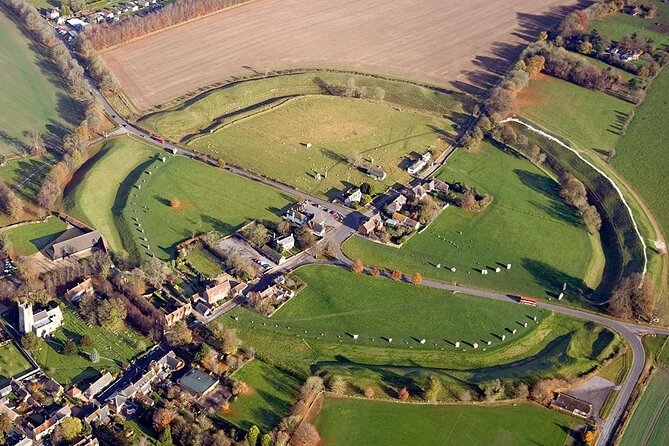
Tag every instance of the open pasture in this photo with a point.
(316, 328)
(527, 225)
(358, 422)
(617, 25)
(590, 119)
(29, 238)
(642, 156)
(32, 96)
(117, 163)
(208, 199)
(230, 102)
(275, 143)
(649, 424)
(444, 42)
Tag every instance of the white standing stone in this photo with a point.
(390, 339)
(503, 337)
(560, 296)
(475, 345)
(422, 341)
(457, 344)
(514, 331)
(525, 325)
(355, 336)
(489, 343)
(498, 269)
(453, 270)
(508, 266)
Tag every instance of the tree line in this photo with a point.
(110, 34)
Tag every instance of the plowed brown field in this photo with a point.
(454, 43)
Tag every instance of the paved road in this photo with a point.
(631, 333)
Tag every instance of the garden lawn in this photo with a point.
(116, 164)
(32, 97)
(33, 237)
(359, 422)
(315, 330)
(618, 25)
(590, 119)
(273, 143)
(12, 362)
(642, 156)
(271, 393)
(114, 348)
(210, 199)
(205, 262)
(221, 105)
(649, 424)
(527, 225)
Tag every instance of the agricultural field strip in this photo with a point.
(301, 34)
(613, 183)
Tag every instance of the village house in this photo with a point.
(226, 286)
(406, 221)
(396, 205)
(275, 290)
(317, 226)
(52, 13)
(373, 224)
(375, 172)
(43, 323)
(285, 243)
(77, 292)
(421, 190)
(37, 430)
(296, 215)
(98, 386)
(569, 404)
(353, 196)
(273, 255)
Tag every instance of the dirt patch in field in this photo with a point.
(453, 43)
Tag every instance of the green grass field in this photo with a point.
(222, 105)
(115, 166)
(211, 199)
(273, 143)
(114, 348)
(17, 169)
(358, 422)
(590, 119)
(32, 96)
(617, 25)
(12, 363)
(271, 393)
(314, 330)
(642, 156)
(649, 424)
(32, 237)
(205, 262)
(527, 225)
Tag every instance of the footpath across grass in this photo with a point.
(527, 225)
(359, 423)
(649, 424)
(30, 238)
(270, 394)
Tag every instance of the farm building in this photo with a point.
(74, 241)
(568, 403)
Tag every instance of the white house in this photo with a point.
(353, 196)
(285, 243)
(42, 323)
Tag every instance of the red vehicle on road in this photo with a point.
(160, 139)
(527, 300)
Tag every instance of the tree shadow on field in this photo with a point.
(550, 189)
(552, 280)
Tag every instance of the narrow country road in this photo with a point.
(630, 332)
